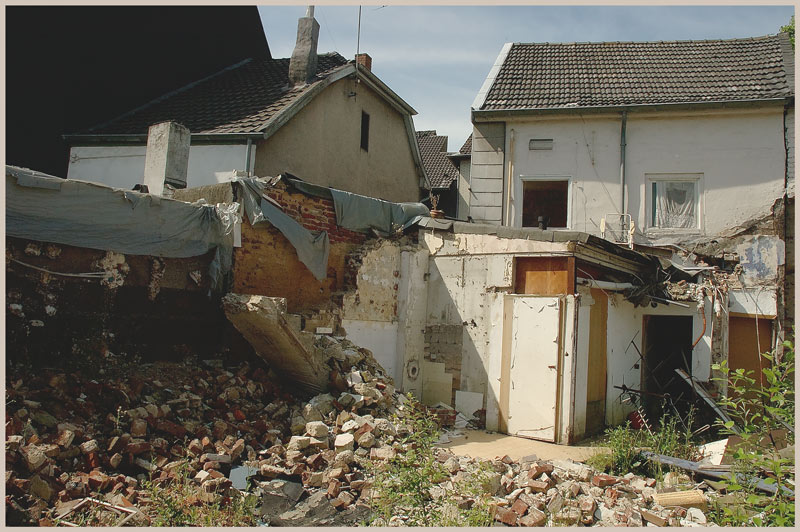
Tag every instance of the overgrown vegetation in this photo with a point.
(789, 28)
(407, 486)
(761, 413)
(671, 437)
(175, 504)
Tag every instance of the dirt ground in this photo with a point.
(481, 444)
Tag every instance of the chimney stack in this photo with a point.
(166, 161)
(303, 64)
(364, 60)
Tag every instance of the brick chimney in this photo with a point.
(365, 61)
(303, 64)
(166, 161)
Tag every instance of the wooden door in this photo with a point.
(744, 348)
(596, 383)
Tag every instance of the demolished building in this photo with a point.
(532, 331)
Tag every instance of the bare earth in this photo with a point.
(480, 444)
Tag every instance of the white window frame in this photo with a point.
(519, 196)
(699, 196)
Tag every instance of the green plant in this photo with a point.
(626, 444)
(170, 504)
(759, 408)
(408, 485)
(789, 28)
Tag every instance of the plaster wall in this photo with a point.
(625, 330)
(380, 337)
(123, 166)
(740, 155)
(468, 278)
(321, 144)
(464, 190)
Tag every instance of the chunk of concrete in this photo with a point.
(264, 323)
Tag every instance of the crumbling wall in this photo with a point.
(66, 302)
(267, 264)
(469, 276)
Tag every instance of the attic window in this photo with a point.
(540, 144)
(364, 131)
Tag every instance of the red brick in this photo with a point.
(603, 480)
(519, 507)
(506, 516)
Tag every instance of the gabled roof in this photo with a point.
(440, 170)
(238, 99)
(576, 75)
(466, 148)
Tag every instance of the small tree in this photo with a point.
(759, 410)
(789, 28)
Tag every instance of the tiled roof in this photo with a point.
(466, 148)
(551, 75)
(432, 148)
(240, 99)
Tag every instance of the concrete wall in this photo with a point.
(123, 166)
(464, 189)
(487, 172)
(469, 276)
(740, 154)
(321, 144)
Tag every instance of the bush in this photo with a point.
(407, 483)
(758, 411)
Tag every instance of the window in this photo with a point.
(364, 131)
(674, 201)
(540, 144)
(546, 198)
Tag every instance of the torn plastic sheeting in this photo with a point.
(312, 250)
(95, 216)
(362, 213)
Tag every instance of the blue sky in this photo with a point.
(436, 57)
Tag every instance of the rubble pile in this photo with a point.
(533, 492)
(70, 437)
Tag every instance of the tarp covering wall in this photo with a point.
(312, 250)
(90, 215)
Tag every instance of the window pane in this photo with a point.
(544, 198)
(675, 204)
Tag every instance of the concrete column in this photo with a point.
(167, 157)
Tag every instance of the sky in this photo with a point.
(437, 57)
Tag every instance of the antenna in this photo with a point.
(358, 43)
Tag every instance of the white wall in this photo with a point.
(740, 154)
(380, 337)
(469, 275)
(625, 326)
(123, 166)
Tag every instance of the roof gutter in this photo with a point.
(116, 139)
(494, 114)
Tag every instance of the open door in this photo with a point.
(533, 366)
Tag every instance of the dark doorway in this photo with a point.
(547, 199)
(667, 347)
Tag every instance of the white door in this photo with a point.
(533, 364)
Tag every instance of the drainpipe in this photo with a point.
(622, 143)
(510, 179)
(247, 156)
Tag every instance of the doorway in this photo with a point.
(667, 344)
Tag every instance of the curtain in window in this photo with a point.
(675, 204)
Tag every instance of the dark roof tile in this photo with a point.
(547, 75)
(433, 149)
(239, 99)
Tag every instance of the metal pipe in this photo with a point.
(605, 285)
(510, 180)
(622, 144)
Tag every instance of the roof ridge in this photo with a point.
(678, 41)
(170, 94)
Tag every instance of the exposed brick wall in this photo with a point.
(267, 263)
(315, 214)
